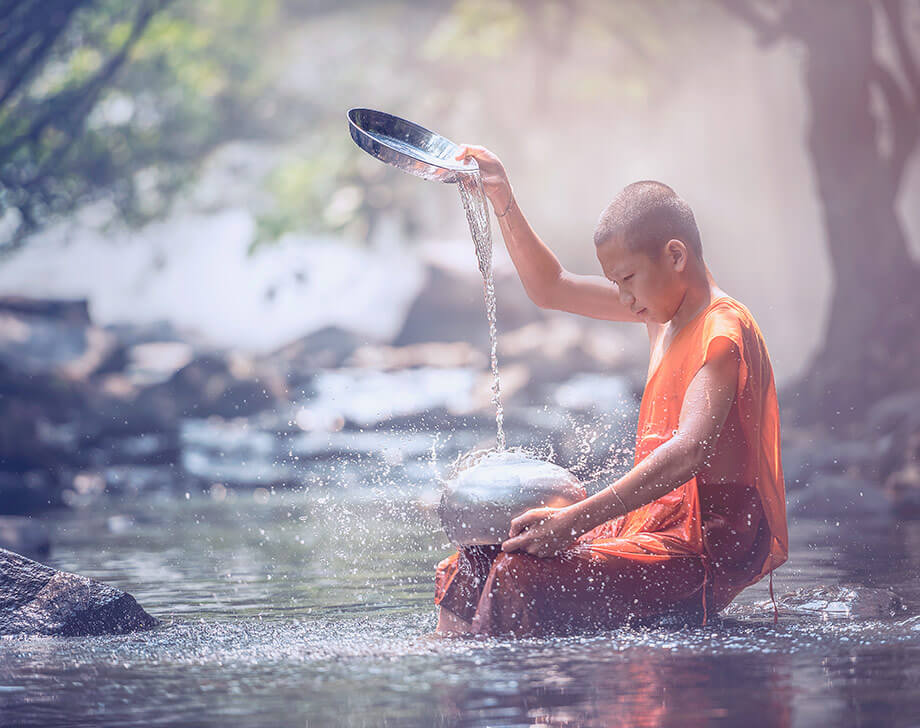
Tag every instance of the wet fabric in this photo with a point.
(747, 451)
(577, 590)
(692, 550)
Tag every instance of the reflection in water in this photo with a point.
(649, 692)
(316, 607)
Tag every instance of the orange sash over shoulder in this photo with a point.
(749, 454)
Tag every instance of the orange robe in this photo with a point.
(693, 549)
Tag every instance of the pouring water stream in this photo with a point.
(421, 152)
(477, 215)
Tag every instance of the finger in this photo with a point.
(521, 522)
(515, 544)
(524, 520)
(470, 150)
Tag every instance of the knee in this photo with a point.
(512, 569)
(509, 563)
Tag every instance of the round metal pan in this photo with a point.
(408, 146)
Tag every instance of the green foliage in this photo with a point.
(203, 72)
(304, 188)
(475, 28)
(187, 81)
(330, 186)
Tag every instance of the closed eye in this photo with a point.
(626, 278)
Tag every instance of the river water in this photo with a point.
(315, 608)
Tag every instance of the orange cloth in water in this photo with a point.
(711, 537)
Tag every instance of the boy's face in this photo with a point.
(651, 286)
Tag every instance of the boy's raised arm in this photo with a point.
(547, 283)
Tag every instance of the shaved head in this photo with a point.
(645, 216)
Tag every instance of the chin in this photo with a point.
(666, 317)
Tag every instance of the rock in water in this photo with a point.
(36, 599)
(478, 504)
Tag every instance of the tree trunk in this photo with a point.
(872, 346)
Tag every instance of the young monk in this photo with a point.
(702, 513)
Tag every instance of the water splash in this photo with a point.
(471, 458)
(477, 215)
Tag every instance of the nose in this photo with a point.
(626, 298)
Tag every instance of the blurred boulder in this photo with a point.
(134, 334)
(152, 362)
(213, 385)
(430, 354)
(609, 394)
(326, 348)
(21, 423)
(36, 599)
(451, 307)
(805, 457)
(578, 365)
(28, 492)
(898, 411)
(24, 536)
(902, 483)
(826, 495)
(895, 421)
(881, 455)
(903, 489)
(131, 480)
(74, 311)
(141, 449)
(116, 409)
(370, 398)
(559, 347)
(37, 343)
(75, 398)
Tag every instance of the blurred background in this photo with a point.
(238, 355)
(188, 235)
(187, 228)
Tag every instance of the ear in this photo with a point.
(677, 254)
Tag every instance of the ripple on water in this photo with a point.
(343, 584)
(389, 637)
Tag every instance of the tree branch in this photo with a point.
(904, 121)
(628, 39)
(16, 28)
(74, 105)
(36, 56)
(89, 92)
(768, 31)
(894, 14)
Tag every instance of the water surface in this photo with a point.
(314, 608)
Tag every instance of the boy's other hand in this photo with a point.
(542, 532)
(494, 178)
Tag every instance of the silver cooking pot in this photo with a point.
(479, 502)
(408, 146)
